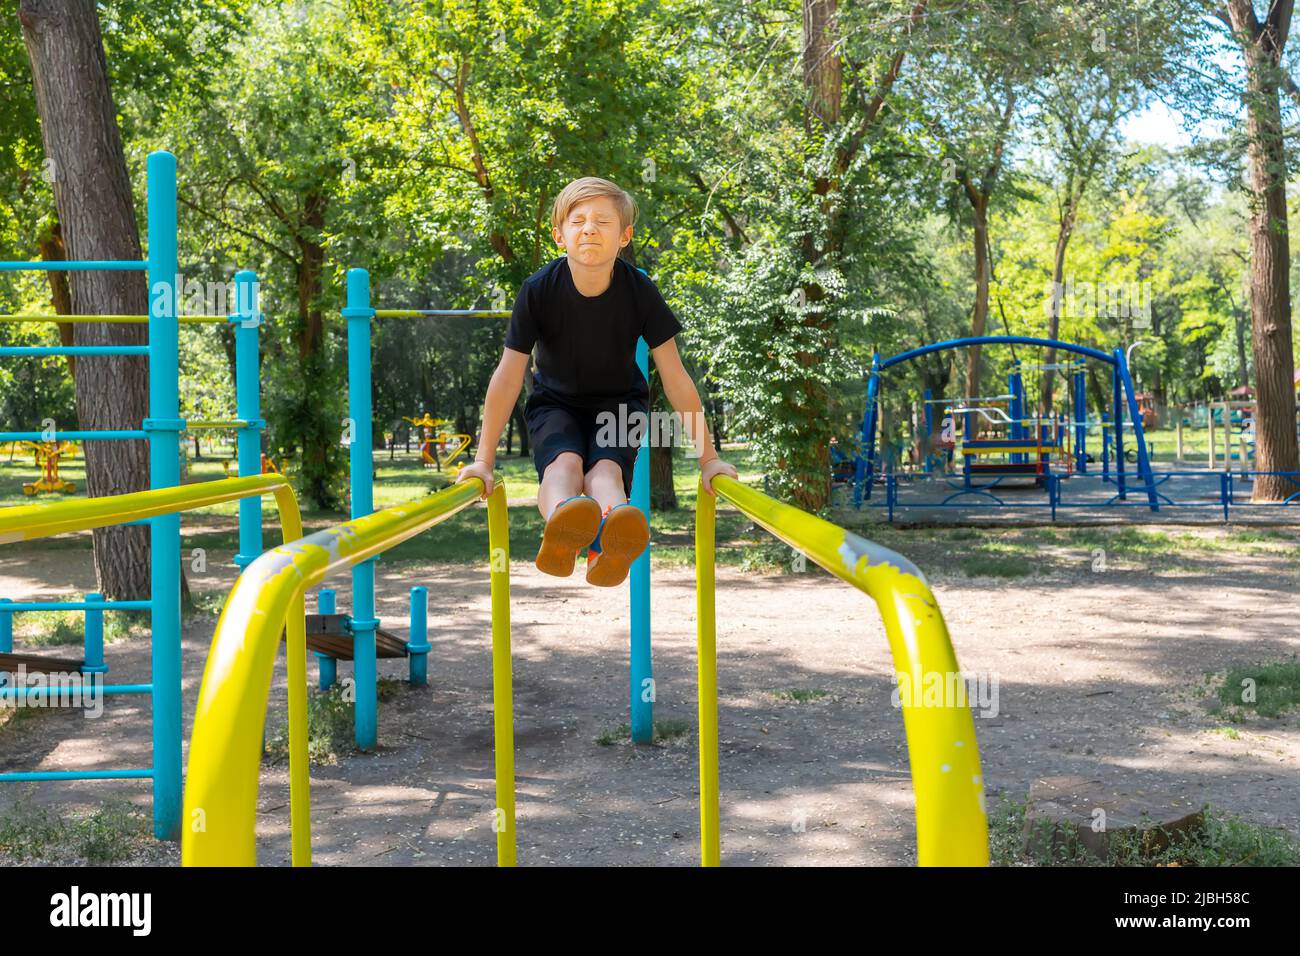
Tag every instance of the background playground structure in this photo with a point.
(162, 429)
(436, 436)
(47, 457)
(1057, 450)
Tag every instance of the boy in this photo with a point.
(584, 312)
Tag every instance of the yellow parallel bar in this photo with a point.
(225, 747)
(29, 522)
(425, 313)
(707, 666)
(38, 317)
(232, 423)
(503, 710)
(951, 826)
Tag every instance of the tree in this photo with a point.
(1262, 45)
(93, 193)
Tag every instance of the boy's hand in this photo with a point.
(715, 466)
(481, 470)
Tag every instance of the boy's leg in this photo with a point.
(562, 479)
(624, 532)
(604, 482)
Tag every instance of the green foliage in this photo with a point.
(110, 834)
(1275, 688)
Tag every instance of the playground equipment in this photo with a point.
(360, 629)
(226, 747)
(951, 826)
(225, 750)
(1052, 449)
(47, 456)
(437, 436)
(162, 430)
(1028, 443)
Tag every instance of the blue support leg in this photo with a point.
(1139, 435)
(359, 314)
(163, 427)
(327, 666)
(641, 669)
(417, 646)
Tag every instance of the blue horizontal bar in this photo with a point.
(38, 350)
(85, 690)
(997, 340)
(76, 775)
(72, 265)
(110, 435)
(75, 605)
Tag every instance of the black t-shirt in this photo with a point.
(586, 346)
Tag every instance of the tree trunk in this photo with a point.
(663, 494)
(50, 244)
(317, 438)
(517, 416)
(1063, 232)
(1239, 325)
(979, 320)
(1270, 255)
(92, 192)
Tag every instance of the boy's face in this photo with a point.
(590, 232)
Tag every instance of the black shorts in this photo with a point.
(555, 426)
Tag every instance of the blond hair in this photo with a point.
(593, 187)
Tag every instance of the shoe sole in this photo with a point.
(571, 528)
(622, 540)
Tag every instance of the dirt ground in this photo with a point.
(1100, 675)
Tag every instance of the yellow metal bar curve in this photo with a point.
(951, 826)
(29, 522)
(225, 748)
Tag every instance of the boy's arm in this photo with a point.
(685, 398)
(498, 405)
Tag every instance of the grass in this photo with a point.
(331, 723)
(61, 628)
(110, 834)
(665, 731)
(800, 695)
(1224, 840)
(1267, 690)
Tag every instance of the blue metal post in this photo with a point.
(418, 647)
(1139, 433)
(1105, 447)
(247, 317)
(94, 636)
(6, 635)
(642, 686)
(1080, 421)
(164, 426)
(927, 450)
(1016, 388)
(1118, 399)
(866, 464)
(360, 460)
(327, 666)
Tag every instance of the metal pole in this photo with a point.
(327, 666)
(164, 426)
(94, 636)
(246, 319)
(417, 645)
(359, 314)
(640, 665)
(1117, 389)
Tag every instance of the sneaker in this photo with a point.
(570, 528)
(622, 536)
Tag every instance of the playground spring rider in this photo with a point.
(47, 455)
